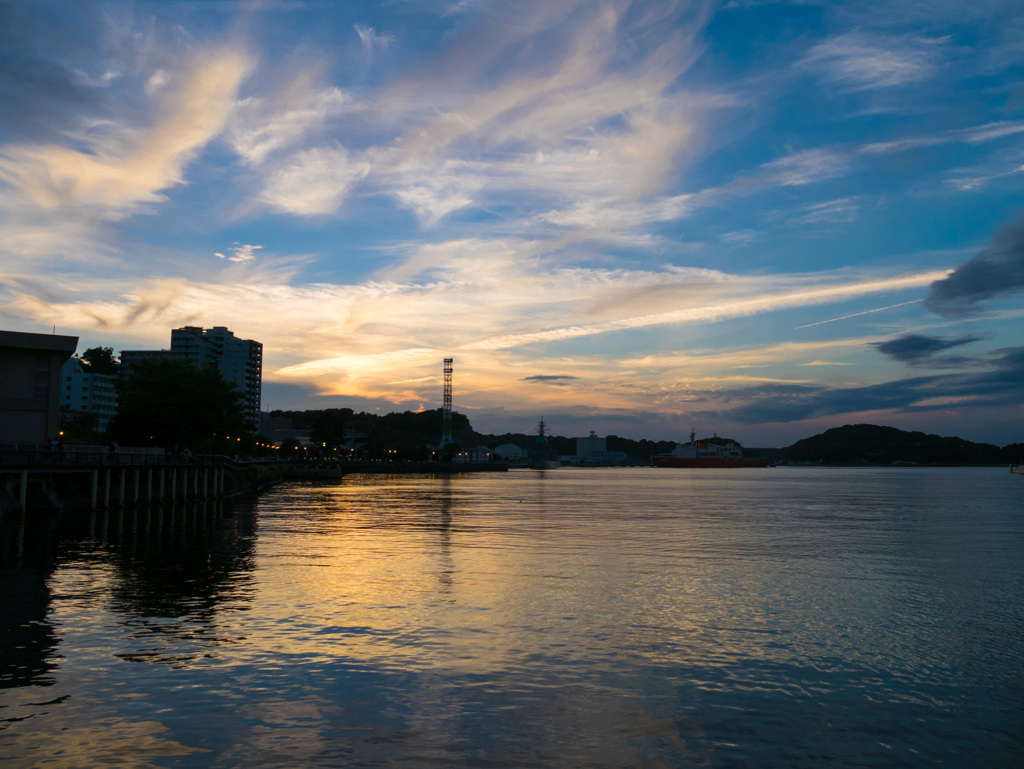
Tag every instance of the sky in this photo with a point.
(760, 219)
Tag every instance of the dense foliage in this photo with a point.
(176, 405)
(100, 360)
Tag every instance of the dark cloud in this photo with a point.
(996, 270)
(914, 348)
(998, 383)
(557, 379)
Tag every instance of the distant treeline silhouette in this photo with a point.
(878, 445)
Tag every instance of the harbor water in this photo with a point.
(633, 617)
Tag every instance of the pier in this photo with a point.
(31, 478)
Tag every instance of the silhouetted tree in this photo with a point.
(101, 360)
(329, 428)
(174, 404)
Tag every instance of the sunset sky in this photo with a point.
(761, 219)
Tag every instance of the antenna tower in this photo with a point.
(446, 411)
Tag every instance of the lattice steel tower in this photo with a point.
(446, 411)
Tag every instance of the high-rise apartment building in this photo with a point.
(240, 361)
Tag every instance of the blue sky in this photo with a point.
(761, 219)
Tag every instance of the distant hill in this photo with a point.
(878, 445)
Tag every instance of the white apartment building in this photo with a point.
(83, 392)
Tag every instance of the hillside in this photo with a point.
(878, 445)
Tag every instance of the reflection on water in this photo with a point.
(572, 618)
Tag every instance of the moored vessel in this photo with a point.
(707, 453)
(541, 451)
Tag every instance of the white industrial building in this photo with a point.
(509, 452)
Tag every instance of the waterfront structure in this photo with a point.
(30, 372)
(240, 361)
(475, 455)
(707, 453)
(84, 392)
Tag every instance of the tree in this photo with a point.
(177, 405)
(101, 360)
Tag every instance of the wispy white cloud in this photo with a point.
(972, 135)
(992, 131)
(563, 124)
(371, 39)
(130, 166)
(830, 211)
(858, 61)
(316, 182)
(903, 145)
(607, 216)
(261, 126)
